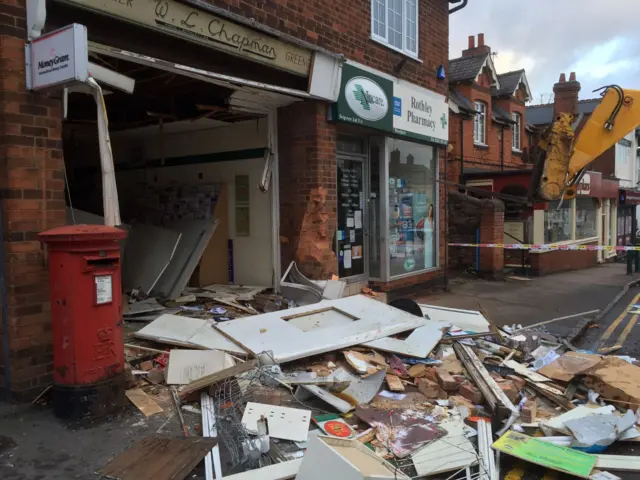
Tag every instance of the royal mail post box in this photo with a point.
(86, 313)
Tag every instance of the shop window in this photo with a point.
(242, 196)
(516, 128)
(558, 221)
(412, 207)
(480, 124)
(395, 23)
(586, 210)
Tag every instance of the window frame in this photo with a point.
(480, 105)
(516, 128)
(384, 39)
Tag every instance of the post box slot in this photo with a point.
(96, 262)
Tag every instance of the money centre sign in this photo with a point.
(203, 27)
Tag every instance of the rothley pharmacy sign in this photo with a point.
(58, 59)
(420, 113)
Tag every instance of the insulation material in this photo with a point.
(275, 333)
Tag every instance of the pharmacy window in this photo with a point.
(517, 129)
(395, 23)
(480, 125)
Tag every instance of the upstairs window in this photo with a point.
(480, 125)
(516, 128)
(395, 23)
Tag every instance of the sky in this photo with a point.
(597, 39)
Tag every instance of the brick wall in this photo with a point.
(559, 261)
(32, 187)
(344, 26)
(464, 222)
(491, 231)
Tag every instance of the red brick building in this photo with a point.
(224, 91)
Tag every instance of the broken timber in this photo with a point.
(494, 396)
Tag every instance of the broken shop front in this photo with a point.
(194, 139)
(391, 142)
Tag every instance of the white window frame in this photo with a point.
(516, 130)
(480, 136)
(384, 39)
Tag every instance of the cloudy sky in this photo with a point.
(597, 39)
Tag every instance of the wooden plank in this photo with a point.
(485, 382)
(618, 463)
(279, 471)
(158, 458)
(494, 326)
(271, 332)
(552, 394)
(144, 402)
(395, 385)
(525, 372)
(217, 377)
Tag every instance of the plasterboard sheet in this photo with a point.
(195, 238)
(419, 344)
(451, 452)
(188, 332)
(468, 320)
(273, 332)
(283, 422)
(148, 253)
(144, 306)
(186, 366)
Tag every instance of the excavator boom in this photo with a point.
(567, 157)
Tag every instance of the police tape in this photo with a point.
(542, 248)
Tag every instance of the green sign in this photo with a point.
(365, 99)
(546, 454)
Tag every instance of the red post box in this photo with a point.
(86, 314)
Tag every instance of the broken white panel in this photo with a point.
(525, 372)
(451, 452)
(274, 332)
(242, 293)
(148, 252)
(195, 238)
(468, 320)
(278, 471)
(360, 390)
(143, 306)
(557, 424)
(212, 463)
(617, 463)
(420, 343)
(188, 332)
(186, 366)
(282, 422)
(340, 459)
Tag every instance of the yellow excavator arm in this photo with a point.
(567, 157)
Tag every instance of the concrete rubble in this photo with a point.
(472, 404)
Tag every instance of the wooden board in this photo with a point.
(186, 366)
(217, 377)
(158, 458)
(214, 263)
(144, 402)
(394, 383)
(273, 332)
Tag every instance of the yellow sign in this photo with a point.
(197, 25)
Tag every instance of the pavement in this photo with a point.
(35, 445)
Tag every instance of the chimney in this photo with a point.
(566, 95)
(479, 50)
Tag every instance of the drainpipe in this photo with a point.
(502, 149)
(458, 7)
(4, 312)
(461, 150)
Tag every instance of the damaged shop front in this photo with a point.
(391, 145)
(194, 140)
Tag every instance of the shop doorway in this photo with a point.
(352, 232)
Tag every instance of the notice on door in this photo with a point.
(104, 289)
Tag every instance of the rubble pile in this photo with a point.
(355, 388)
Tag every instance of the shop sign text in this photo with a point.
(420, 113)
(208, 29)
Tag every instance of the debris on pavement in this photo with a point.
(319, 385)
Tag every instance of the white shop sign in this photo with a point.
(58, 59)
(420, 113)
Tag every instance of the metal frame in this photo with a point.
(436, 214)
(364, 158)
(272, 127)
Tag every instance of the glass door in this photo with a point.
(352, 218)
(374, 233)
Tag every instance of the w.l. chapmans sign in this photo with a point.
(210, 30)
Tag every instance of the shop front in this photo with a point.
(627, 224)
(391, 139)
(197, 138)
